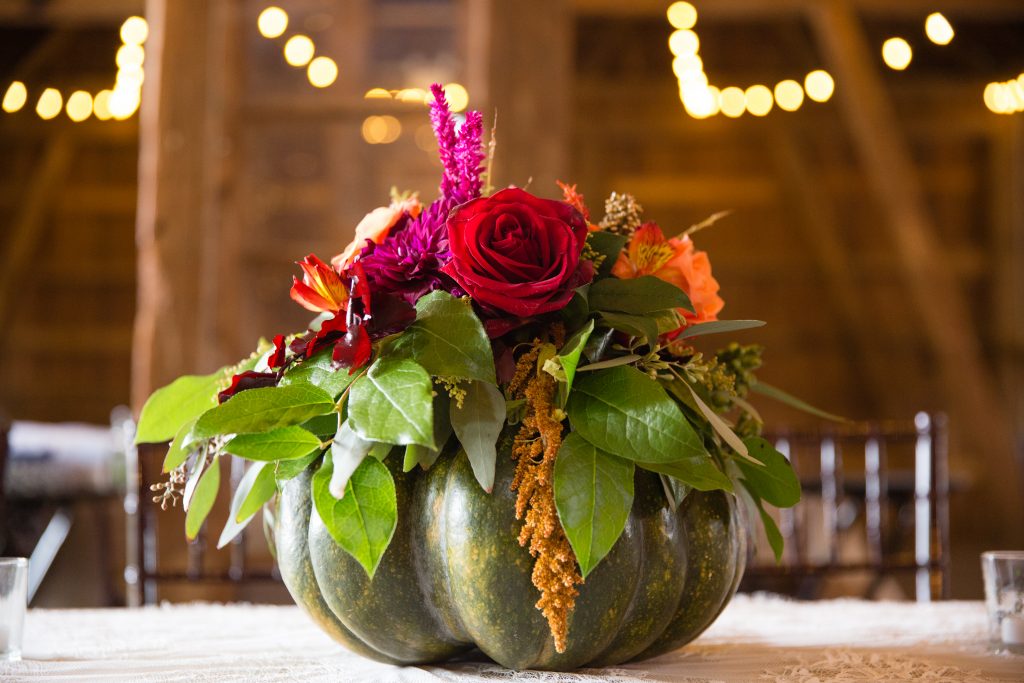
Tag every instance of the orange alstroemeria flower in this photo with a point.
(674, 260)
(375, 227)
(321, 289)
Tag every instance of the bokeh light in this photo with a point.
(733, 102)
(381, 130)
(322, 72)
(458, 97)
(897, 53)
(134, 31)
(759, 100)
(101, 105)
(789, 95)
(15, 97)
(79, 106)
(938, 29)
(683, 42)
(130, 55)
(682, 15)
(299, 50)
(50, 103)
(819, 85)
(272, 22)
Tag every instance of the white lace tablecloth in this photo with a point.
(757, 638)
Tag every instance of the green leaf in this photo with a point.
(609, 245)
(380, 450)
(792, 401)
(699, 473)
(640, 326)
(421, 455)
(623, 411)
(447, 339)
(563, 366)
(593, 495)
(364, 520)
(637, 296)
(598, 345)
(719, 326)
(477, 425)
(255, 488)
(774, 479)
(283, 443)
(202, 499)
(172, 406)
(261, 410)
(610, 363)
(575, 313)
(320, 372)
(393, 403)
(347, 452)
(771, 529)
(719, 425)
(289, 469)
(177, 452)
(325, 426)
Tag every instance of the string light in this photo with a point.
(458, 97)
(381, 130)
(1006, 97)
(682, 15)
(272, 22)
(322, 72)
(700, 101)
(15, 97)
(733, 102)
(683, 42)
(124, 102)
(101, 105)
(819, 85)
(897, 53)
(377, 94)
(129, 55)
(134, 31)
(759, 100)
(50, 103)
(412, 95)
(79, 106)
(298, 51)
(938, 29)
(789, 95)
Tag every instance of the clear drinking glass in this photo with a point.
(1004, 596)
(13, 592)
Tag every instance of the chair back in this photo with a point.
(876, 503)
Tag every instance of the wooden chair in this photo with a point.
(904, 511)
(150, 575)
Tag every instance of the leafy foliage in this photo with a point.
(174, 405)
(477, 424)
(262, 410)
(283, 443)
(639, 296)
(393, 404)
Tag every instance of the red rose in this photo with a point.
(516, 253)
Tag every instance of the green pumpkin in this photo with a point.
(455, 577)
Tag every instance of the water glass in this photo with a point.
(13, 592)
(1003, 571)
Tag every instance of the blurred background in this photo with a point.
(164, 162)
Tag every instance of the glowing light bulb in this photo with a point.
(272, 22)
(685, 64)
(15, 97)
(381, 130)
(130, 55)
(377, 94)
(134, 31)
(124, 102)
(789, 95)
(938, 29)
(819, 85)
(458, 97)
(701, 102)
(49, 104)
(412, 95)
(683, 42)
(298, 51)
(733, 102)
(897, 53)
(322, 72)
(79, 106)
(101, 105)
(759, 100)
(682, 15)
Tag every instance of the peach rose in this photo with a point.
(375, 227)
(674, 260)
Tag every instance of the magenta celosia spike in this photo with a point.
(444, 129)
(469, 154)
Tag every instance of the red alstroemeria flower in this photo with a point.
(248, 380)
(321, 289)
(276, 359)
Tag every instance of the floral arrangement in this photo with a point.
(487, 323)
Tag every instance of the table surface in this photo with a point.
(759, 638)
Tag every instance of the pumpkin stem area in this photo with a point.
(555, 570)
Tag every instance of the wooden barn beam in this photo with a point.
(947, 322)
(519, 64)
(21, 243)
(68, 12)
(185, 224)
(821, 230)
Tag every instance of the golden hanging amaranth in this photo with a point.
(555, 571)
